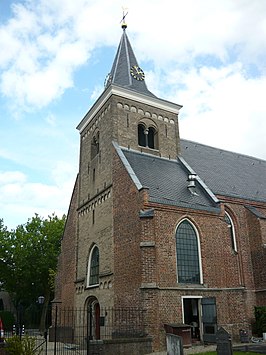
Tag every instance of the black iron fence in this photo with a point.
(82, 327)
(84, 331)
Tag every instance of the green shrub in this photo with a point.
(24, 346)
(8, 319)
(260, 323)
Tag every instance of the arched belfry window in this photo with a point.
(93, 267)
(147, 136)
(141, 135)
(188, 254)
(151, 138)
(231, 228)
(95, 145)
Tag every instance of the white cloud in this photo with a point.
(8, 177)
(62, 171)
(21, 198)
(45, 42)
(43, 45)
(223, 108)
(183, 30)
(96, 92)
(51, 119)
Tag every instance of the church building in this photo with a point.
(160, 223)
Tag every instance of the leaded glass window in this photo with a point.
(187, 254)
(94, 267)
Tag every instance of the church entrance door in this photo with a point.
(192, 316)
(93, 308)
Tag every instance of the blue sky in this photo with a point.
(207, 55)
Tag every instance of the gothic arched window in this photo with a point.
(231, 228)
(93, 267)
(188, 254)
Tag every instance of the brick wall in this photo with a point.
(66, 270)
(257, 237)
(127, 237)
(146, 247)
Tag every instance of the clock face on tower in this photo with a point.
(137, 72)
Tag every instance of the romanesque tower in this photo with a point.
(129, 115)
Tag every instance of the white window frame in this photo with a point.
(89, 268)
(232, 231)
(199, 248)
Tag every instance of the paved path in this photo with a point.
(259, 348)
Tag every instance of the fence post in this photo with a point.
(55, 325)
(89, 327)
(45, 337)
(20, 325)
(55, 329)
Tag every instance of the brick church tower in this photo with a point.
(160, 223)
(126, 115)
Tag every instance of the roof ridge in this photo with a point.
(221, 149)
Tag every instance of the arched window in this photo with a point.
(95, 145)
(231, 228)
(93, 267)
(147, 137)
(188, 254)
(141, 135)
(151, 138)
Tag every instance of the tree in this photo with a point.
(28, 257)
(4, 255)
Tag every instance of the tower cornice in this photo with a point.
(127, 94)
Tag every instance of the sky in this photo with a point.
(207, 55)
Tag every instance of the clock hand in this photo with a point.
(137, 69)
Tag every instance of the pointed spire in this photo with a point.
(125, 71)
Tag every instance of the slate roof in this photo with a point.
(167, 181)
(120, 72)
(222, 172)
(227, 173)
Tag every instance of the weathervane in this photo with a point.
(125, 12)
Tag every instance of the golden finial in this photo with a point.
(125, 12)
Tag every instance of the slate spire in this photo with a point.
(125, 71)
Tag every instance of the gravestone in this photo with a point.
(224, 343)
(174, 344)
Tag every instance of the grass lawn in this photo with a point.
(234, 352)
